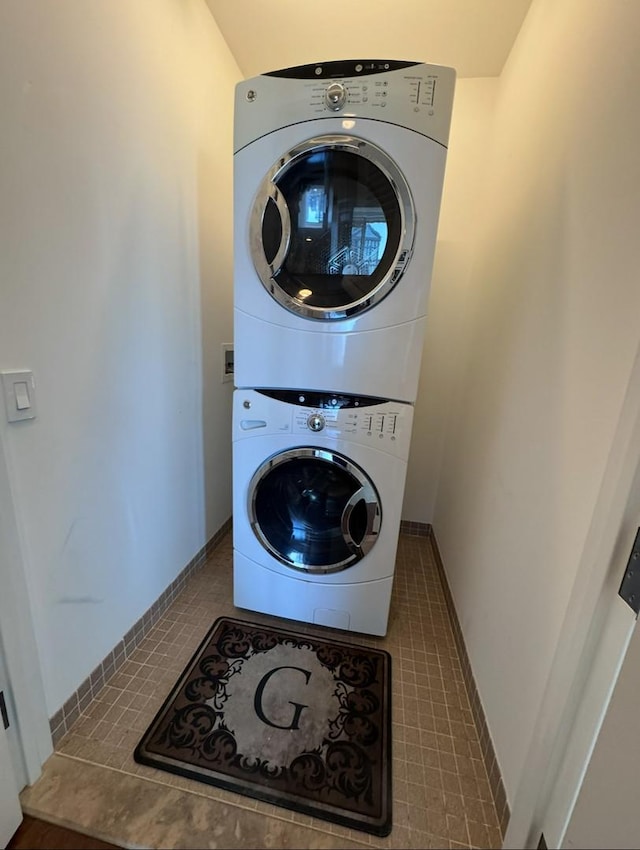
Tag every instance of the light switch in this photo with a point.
(22, 395)
(19, 395)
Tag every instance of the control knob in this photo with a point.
(315, 422)
(335, 96)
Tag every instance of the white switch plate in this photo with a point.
(17, 406)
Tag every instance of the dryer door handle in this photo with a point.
(372, 527)
(278, 199)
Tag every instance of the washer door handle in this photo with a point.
(369, 537)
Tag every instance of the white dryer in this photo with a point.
(338, 173)
(318, 483)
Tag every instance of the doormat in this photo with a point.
(294, 720)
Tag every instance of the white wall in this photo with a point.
(553, 333)
(446, 335)
(606, 811)
(28, 733)
(115, 258)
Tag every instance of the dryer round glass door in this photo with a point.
(314, 510)
(332, 227)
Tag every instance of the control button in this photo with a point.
(315, 422)
(358, 68)
(335, 96)
(246, 404)
(301, 398)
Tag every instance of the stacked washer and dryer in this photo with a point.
(338, 173)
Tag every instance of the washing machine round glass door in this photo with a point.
(314, 510)
(332, 227)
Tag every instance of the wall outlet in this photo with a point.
(227, 361)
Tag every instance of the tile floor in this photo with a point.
(441, 793)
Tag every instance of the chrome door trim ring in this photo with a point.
(285, 219)
(370, 494)
(267, 271)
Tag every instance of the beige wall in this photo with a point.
(552, 336)
(115, 261)
(447, 334)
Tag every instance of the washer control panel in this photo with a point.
(378, 422)
(382, 424)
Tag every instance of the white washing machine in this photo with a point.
(318, 482)
(338, 173)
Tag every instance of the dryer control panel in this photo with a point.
(380, 423)
(409, 94)
(416, 90)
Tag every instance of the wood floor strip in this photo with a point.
(36, 834)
